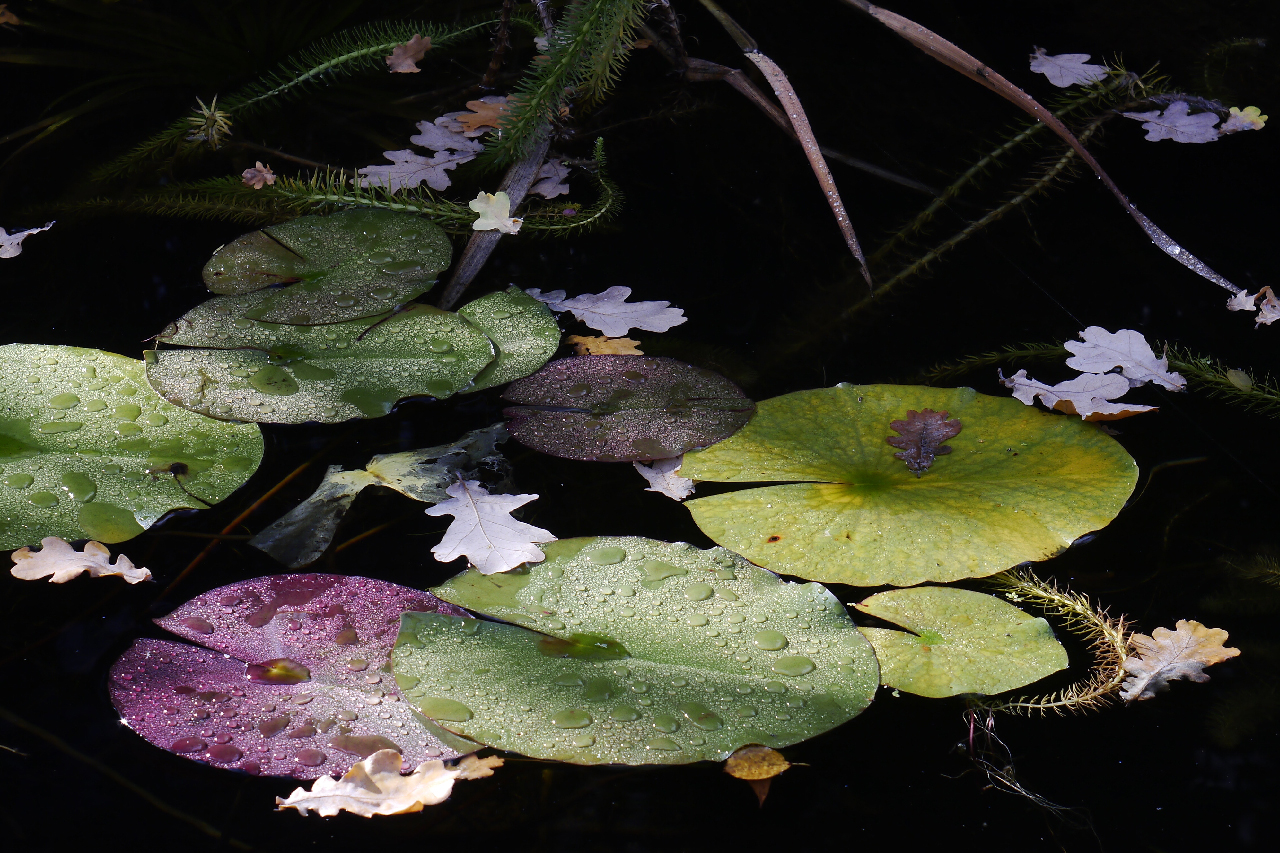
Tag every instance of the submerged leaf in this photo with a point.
(374, 786)
(90, 451)
(59, 558)
(610, 408)
(483, 530)
(960, 642)
(722, 654)
(1169, 655)
(298, 682)
(603, 346)
(303, 534)
(920, 438)
(357, 263)
(664, 480)
(1019, 485)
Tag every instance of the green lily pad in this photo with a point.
(610, 408)
(1019, 484)
(88, 450)
(359, 368)
(960, 642)
(641, 652)
(523, 330)
(357, 263)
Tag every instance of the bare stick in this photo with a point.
(953, 57)
(800, 124)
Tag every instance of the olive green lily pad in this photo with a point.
(523, 330)
(357, 263)
(1019, 484)
(641, 652)
(960, 642)
(88, 450)
(331, 373)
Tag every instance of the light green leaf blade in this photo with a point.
(721, 654)
(332, 373)
(87, 449)
(1019, 484)
(352, 264)
(960, 642)
(523, 330)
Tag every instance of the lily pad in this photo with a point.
(332, 373)
(357, 263)
(88, 450)
(523, 330)
(1018, 485)
(641, 652)
(610, 408)
(298, 682)
(960, 642)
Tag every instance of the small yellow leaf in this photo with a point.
(755, 762)
(603, 346)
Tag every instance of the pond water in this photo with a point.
(722, 217)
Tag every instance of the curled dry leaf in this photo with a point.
(11, 244)
(603, 346)
(1268, 308)
(59, 561)
(1066, 69)
(1088, 395)
(484, 532)
(1243, 301)
(495, 213)
(664, 479)
(374, 786)
(258, 176)
(756, 765)
(920, 438)
(404, 59)
(1169, 655)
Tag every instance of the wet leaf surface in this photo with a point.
(88, 450)
(721, 654)
(1019, 485)
(523, 331)
(356, 263)
(610, 408)
(293, 680)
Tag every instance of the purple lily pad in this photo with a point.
(610, 408)
(298, 682)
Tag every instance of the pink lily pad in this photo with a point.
(298, 682)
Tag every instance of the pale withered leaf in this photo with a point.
(59, 561)
(1169, 655)
(484, 532)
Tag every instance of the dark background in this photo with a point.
(723, 218)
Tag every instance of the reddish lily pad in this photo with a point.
(298, 682)
(611, 408)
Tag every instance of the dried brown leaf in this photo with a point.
(483, 114)
(921, 437)
(404, 59)
(60, 560)
(583, 345)
(1169, 655)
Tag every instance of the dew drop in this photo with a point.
(770, 641)
(571, 718)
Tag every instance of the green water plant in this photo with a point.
(633, 651)
(88, 450)
(1018, 485)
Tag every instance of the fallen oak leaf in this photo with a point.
(1268, 308)
(404, 59)
(485, 113)
(1127, 349)
(375, 787)
(664, 479)
(1243, 301)
(920, 438)
(551, 180)
(484, 532)
(1250, 118)
(1066, 69)
(1175, 123)
(409, 169)
(1088, 395)
(612, 314)
(1169, 655)
(58, 560)
(7, 17)
(258, 176)
(583, 345)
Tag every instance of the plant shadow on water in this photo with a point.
(723, 217)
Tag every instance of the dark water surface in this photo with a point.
(723, 218)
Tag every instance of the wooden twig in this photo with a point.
(501, 43)
(800, 124)
(953, 57)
